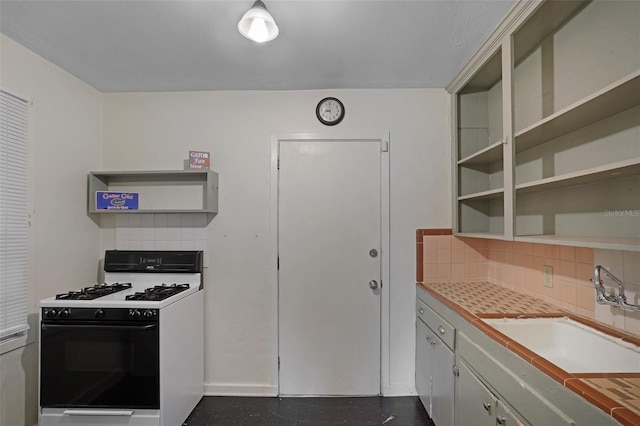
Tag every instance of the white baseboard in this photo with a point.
(399, 390)
(233, 389)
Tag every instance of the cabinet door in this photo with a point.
(442, 389)
(475, 404)
(423, 365)
(504, 416)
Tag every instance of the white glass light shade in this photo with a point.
(258, 24)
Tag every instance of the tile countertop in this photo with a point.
(618, 394)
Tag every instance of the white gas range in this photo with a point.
(130, 351)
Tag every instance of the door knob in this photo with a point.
(373, 284)
(373, 253)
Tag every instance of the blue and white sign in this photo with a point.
(112, 200)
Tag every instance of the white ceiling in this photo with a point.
(184, 45)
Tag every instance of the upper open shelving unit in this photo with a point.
(546, 141)
(479, 154)
(167, 191)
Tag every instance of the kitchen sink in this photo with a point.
(570, 345)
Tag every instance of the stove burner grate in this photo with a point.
(94, 292)
(159, 292)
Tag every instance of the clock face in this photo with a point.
(330, 111)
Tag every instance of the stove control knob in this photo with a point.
(51, 313)
(148, 314)
(134, 313)
(100, 314)
(64, 313)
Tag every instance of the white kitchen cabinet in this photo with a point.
(169, 191)
(442, 382)
(506, 417)
(492, 383)
(547, 135)
(423, 364)
(434, 365)
(510, 389)
(476, 405)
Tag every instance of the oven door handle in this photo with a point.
(128, 413)
(100, 327)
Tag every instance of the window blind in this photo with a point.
(13, 216)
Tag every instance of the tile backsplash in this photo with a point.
(626, 266)
(159, 231)
(519, 266)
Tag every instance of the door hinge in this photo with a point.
(278, 363)
(278, 163)
(278, 266)
(456, 371)
(384, 146)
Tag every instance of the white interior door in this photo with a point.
(329, 221)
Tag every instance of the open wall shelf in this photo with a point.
(583, 177)
(547, 128)
(612, 243)
(488, 155)
(613, 99)
(484, 195)
(167, 191)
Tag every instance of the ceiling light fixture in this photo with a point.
(258, 24)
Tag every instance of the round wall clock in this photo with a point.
(330, 111)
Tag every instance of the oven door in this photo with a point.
(100, 364)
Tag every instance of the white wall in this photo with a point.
(65, 143)
(154, 131)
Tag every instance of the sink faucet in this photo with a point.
(604, 297)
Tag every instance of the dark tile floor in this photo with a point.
(245, 411)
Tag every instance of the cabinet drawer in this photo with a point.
(435, 322)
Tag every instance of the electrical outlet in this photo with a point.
(548, 275)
